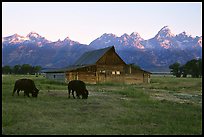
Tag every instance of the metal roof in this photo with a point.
(54, 70)
(91, 57)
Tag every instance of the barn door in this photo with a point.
(101, 77)
(73, 76)
(145, 78)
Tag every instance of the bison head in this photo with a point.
(85, 95)
(35, 93)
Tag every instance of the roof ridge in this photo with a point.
(101, 49)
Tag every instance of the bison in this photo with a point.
(27, 85)
(80, 88)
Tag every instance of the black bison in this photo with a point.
(80, 88)
(27, 85)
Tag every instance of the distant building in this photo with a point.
(54, 74)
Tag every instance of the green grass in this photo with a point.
(167, 105)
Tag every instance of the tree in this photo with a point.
(36, 69)
(17, 69)
(184, 70)
(194, 67)
(200, 66)
(6, 70)
(26, 68)
(176, 69)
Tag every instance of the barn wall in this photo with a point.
(55, 76)
(133, 78)
(71, 76)
(86, 74)
(110, 70)
(146, 78)
(106, 73)
(115, 78)
(103, 74)
(89, 77)
(109, 73)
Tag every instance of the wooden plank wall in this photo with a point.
(88, 77)
(104, 73)
(133, 79)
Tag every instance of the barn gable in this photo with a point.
(98, 57)
(110, 58)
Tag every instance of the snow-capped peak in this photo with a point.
(135, 34)
(164, 33)
(108, 35)
(67, 40)
(125, 35)
(165, 28)
(14, 38)
(184, 34)
(200, 41)
(33, 35)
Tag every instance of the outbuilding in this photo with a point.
(54, 74)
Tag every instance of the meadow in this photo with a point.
(166, 106)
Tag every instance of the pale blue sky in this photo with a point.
(86, 21)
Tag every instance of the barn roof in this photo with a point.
(54, 70)
(91, 57)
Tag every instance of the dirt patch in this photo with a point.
(175, 96)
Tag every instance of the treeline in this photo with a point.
(192, 67)
(21, 69)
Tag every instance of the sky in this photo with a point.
(86, 21)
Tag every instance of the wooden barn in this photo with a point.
(105, 65)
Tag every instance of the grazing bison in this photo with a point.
(27, 85)
(80, 88)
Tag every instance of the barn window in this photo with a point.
(113, 72)
(102, 71)
(118, 72)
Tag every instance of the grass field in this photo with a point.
(167, 105)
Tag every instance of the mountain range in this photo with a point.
(155, 54)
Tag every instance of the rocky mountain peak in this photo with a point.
(33, 35)
(165, 32)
